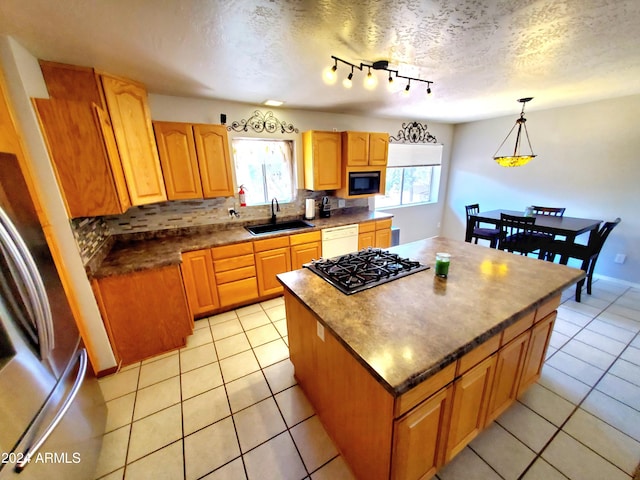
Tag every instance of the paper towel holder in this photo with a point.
(310, 209)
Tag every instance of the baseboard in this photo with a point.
(616, 280)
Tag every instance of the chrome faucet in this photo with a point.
(273, 211)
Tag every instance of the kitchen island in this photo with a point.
(405, 374)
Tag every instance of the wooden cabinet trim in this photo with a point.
(512, 331)
(547, 307)
(367, 227)
(386, 223)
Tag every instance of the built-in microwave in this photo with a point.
(364, 183)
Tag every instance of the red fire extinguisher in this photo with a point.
(241, 195)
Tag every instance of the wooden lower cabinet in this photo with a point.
(470, 401)
(304, 248)
(538, 344)
(420, 438)
(235, 273)
(272, 257)
(375, 234)
(413, 435)
(509, 363)
(200, 282)
(146, 313)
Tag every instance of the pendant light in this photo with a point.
(517, 159)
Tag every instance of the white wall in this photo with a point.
(415, 222)
(588, 161)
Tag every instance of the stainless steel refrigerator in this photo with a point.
(52, 413)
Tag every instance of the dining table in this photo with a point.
(567, 227)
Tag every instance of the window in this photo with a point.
(413, 175)
(265, 168)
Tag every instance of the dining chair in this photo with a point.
(516, 234)
(551, 211)
(491, 234)
(587, 253)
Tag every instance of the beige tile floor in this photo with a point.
(227, 406)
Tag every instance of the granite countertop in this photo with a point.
(135, 255)
(406, 330)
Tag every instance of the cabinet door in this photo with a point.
(378, 148)
(509, 363)
(80, 160)
(470, 399)
(268, 264)
(301, 254)
(200, 281)
(147, 312)
(129, 112)
(355, 148)
(178, 158)
(367, 239)
(419, 438)
(383, 238)
(212, 147)
(540, 335)
(322, 160)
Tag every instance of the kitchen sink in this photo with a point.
(278, 227)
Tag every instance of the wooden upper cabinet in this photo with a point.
(361, 149)
(322, 153)
(355, 148)
(178, 158)
(84, 156)
(131, 120)
(71, 82)
(212, 147)
(378, 148)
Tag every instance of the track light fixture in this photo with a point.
(516, 159)
(370, 80)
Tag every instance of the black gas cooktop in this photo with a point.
(361, 270)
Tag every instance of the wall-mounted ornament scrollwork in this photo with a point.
(413, 132)
(261, 122)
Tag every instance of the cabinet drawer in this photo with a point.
(380, 224)
(367, 227)
(233, 250)
(478, 354)
(236, 274)
(308, 237)
(233, 263)
(270, 244)
(517, 328)
(424, 390)
(547, 307)
(238, 291)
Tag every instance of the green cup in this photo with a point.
(442, 264)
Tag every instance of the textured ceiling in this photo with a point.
(482, 55)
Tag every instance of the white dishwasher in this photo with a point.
(339, 240)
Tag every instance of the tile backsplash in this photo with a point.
(94, 234)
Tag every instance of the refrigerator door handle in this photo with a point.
(31, 450)
(32, 279)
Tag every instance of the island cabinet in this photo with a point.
(98, 133)
(200, 282)
(375, 234)
(272, 257)
(304, 248)
(361, 149)
(412, 434)
(322, 160)
(235, 273)
(145, 313)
